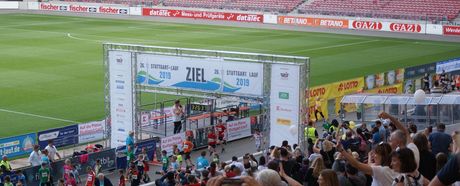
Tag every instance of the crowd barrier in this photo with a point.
(72, 135)
(106, 157)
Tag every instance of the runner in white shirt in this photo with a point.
(52, 150)
(35, 156)
(258, 139)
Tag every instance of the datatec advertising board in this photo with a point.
(201, 74)
(121, 96)
(284, 103)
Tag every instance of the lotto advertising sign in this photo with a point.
(84, 8)
(391, 89)
(224, 16)
(211, 75)
(333, 91)
(17, 145)
(451, 30)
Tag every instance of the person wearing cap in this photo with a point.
(130, 140)
(5, 164)
(102, 180)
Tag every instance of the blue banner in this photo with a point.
(17, 145)
(61, 136)
(149, 145)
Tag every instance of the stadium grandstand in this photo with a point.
(427, 10)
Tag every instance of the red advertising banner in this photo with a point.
(290, 20)
(404, 27)
(240, 17)
(331, 23)
(451, 30)
(367, 25)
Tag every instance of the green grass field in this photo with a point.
(49, 78)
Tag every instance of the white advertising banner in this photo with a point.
(92, 131)
(77, 7)
(238, 129)
(121, 96)
(210, 75)
(448, 65)
(168, 142)
(284, 103)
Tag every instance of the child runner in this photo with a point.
(212, 141)
(221, 130)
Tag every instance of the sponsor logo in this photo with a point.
(348, 85)
(49, 7)
(120, 61)
(280, 108)
(123, 11)
(284, 75)
(63, 8)
(249, 18)
(283, 121)
(451, 30)
(283, 95)
(92, 9)
(389, 90)
(401, 27)
(159, 12)
(294, 20)
(367, 25)
(317, 92)
(109, 10)
(332, 23)
(78, 8)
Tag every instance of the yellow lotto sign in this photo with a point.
(334, 91)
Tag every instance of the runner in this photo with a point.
(212, 141)
(258, 139)
(187, 147)
(221, 130)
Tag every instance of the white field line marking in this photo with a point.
(145, 41)
(38, 24)
(38, 116)
(333, 46)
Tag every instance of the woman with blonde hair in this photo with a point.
(314, 171)
(275, 155)
(328, 177)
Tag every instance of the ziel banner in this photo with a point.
(61, 136)
(17, 145)
(285, 103)
(238, 129)
(200, 74)
(121, 99)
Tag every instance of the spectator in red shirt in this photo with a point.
(221, 131)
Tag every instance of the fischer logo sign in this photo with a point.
(240, 17)
(402, 27)
(83, 8)
(367, 25)
(451, 30)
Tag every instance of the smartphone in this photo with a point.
(232, 182)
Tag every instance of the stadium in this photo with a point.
(349, 61)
